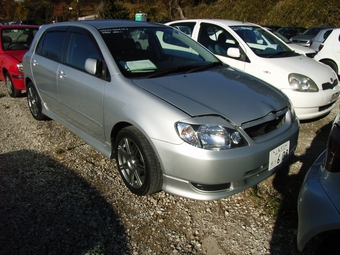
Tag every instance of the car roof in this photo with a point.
(101, 24)
(17, 26)
(224, 22)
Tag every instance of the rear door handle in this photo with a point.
(62, 74)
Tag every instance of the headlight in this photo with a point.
(302, 83)
(210, 137)
(20, 67)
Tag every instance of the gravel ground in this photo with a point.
(60, 196)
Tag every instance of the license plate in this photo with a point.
(277, 155)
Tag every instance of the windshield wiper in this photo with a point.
(183, 69)
(204, 67)
(281, 54)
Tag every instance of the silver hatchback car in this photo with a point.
(319, 199)
(171, 114)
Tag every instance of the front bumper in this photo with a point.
(313, 104)
(18, 81)
(316, 212)
(219, 173)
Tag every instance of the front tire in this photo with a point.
(137, 162)
(12, 91)
(34, 102)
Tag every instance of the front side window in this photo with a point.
(154, 51)
(18, 38)
(217, 39)
(51, 44)
(81, 47)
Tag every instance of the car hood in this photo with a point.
(17, 54)
(236, 96)
(316, 71)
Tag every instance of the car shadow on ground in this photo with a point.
(288, 185)
(46, 208)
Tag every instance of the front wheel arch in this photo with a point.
(331, 64)
(11, 90)
(137, 162)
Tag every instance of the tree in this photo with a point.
(41, 12)
(112, 10)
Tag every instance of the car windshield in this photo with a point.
(156, 51)
(262, 42)
(18, 38)
(312, 31)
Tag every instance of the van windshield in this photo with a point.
(262, 42)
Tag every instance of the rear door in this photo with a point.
(81, 93)
(45, 63)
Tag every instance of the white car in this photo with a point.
(311, 86)
(320, 38)
(329, 51)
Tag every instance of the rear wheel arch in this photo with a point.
(34, 102)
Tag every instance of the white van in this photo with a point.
(311, 86)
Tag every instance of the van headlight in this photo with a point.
(210, 137)
(302, 83)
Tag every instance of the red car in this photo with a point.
(15, 40)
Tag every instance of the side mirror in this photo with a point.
(94, 66)
(234, 52)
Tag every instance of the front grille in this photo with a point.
(329, 85)
(268, 124)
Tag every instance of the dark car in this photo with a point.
(289, 32)
(15, 40)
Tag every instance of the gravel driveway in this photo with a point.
(60, 196)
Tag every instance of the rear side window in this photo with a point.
(51, 44)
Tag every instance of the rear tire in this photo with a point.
(34, 102)
(137, 162)
(12, 91)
